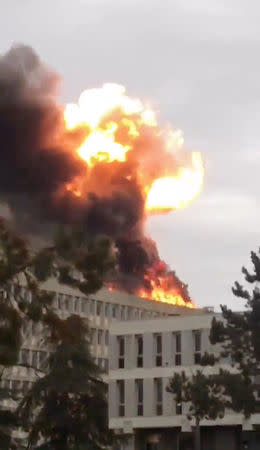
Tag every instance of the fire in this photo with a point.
(107, 113)
(164, 286)
(160, 295)
(122, 133)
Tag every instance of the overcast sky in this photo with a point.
(197, 61)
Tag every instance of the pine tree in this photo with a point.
(72, 261)
(239, 335)
(202, 393)
(67, 408)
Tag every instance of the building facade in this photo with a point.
(143, 357)
(101, 310)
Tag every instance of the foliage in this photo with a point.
(71, 260)
(67, 407)
(202, 392)
(238, 333)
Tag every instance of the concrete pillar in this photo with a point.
(149, 404)
(130, 398)
(187, 348)
(130, 360)
(113, 352)
(112, 399)
(167, 359)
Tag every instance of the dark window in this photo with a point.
(158, 396)
(178, 359)
(158, 360)
(121, 352)
(99, 308)
(107, 309)
(84, 305)
(25, 356)
(197, 358)
(66, 303)
(158, 344)
(43, 360)
(106, 337)
(34, 359)
(140, 396)
(178, 349)
(76, 304)
(197, 341)
(139, 345)
(106, 365)
(158, 350)
(178, 343)
(100, 335)
(178, 408)
(92, 306)
(121, 397)
(197, 347)
(113, 311)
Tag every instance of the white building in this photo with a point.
(143, 356)
(101, 309)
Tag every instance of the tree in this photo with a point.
(72, 260)
(201, 392)
(67, 408)
(239, 335)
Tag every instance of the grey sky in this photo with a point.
(197, 61)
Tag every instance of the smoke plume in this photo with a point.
(38, 160)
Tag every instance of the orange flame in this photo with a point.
(95, 110)
(120, 129)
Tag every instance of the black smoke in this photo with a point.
(37, 160)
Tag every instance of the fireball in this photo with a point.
(105, 112)
(123, 132)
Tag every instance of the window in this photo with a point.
(43, 360)
(122, 313)
(84, 305)
(139, 350)
(25, 356)
(34, 359)
(92, 307)
(158, 396)
(197, 347)
(76, 304)
(121, 397)
(66, 302)
(100, 336)
(139, 396)
(178, 349)
(93, 335)
(178, 408)
(158, 350)
(59, 301)
(106, 365)
(99, 308)
(106, 337)
(121, 352)
(114, 311)
(107, 309)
